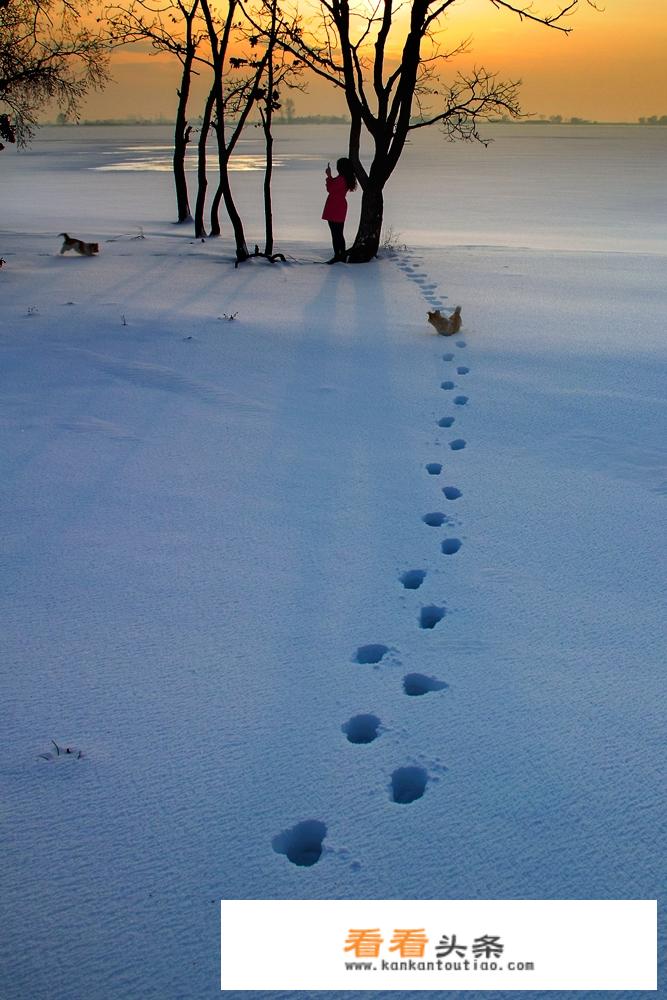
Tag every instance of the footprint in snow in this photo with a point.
(302, 845)
(457, 445)
(461, 343)
(452, 492)
(448, 385)
(435, 519)
(416, 685)
(462, 370)
(407, 784)
(430, 616)
(361, 728)
(371, 653)
(413, 579)
(448, 357)
(460, 400)
(434, 468)
(450, 546)
(445, 421)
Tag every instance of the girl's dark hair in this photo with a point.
(346, 170)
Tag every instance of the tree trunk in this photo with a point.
(268, 209)
(181, 139)
(225, 192)
(202, 182)
(267, 120)
(217, 198)
(367, 241)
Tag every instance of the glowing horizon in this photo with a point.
(611, 67)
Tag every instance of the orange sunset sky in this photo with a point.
(611, 67)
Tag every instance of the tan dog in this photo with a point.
(446, 325)
(86, 249)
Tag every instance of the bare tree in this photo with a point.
(267, 105)
(234, 97)
(202, 177)
(170, 26)
(349, 45)
(46, 56)
(282, 71)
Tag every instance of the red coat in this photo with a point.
(335, 207)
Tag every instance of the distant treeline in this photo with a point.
(132, 120)
(560, 120)
(344, 120)
(313, 120)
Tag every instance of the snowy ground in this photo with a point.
(204, 519)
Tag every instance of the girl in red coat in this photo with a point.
(335, 208)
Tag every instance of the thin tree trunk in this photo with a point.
(267, 119)
(181, 138)
(219, 50)
(217, 198)
(202, 182)
(181, 128)
(225, 192)
(268, 208)
(225, 150)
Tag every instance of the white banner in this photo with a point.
(493, 944)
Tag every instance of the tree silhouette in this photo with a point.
(170, 27)
(46, 55)
(350, 46)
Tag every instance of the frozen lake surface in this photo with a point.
(537, 186)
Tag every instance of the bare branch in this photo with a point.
(549, 20)
(475, 97)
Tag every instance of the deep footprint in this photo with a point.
(445, 421)
(361, 728)
(416, 685)
(430, 616)
(448, 385)
(462, 370)
(372, 653)
(457, 445)
(413, 579)
(408, 784)
(450, 546)
(460, 400)
(434, 520)
(448, 357)
(302, 845)
(434, 468)
(452, 493)
(460, 343)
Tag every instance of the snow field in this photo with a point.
(227, 550)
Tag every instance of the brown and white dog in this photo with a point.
(446, 325)
(71, 243)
